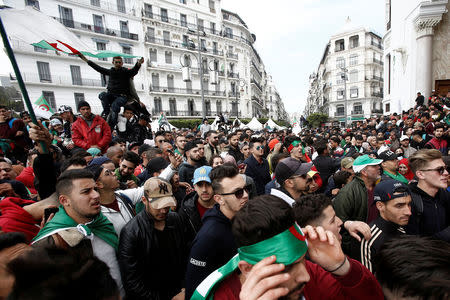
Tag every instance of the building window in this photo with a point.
(50, 97)
(148, 12)
(203, 45)
(39, 49)
(170, 86)
(183, 20)
(155, 81)
(34, 3)
(98, 24)
(191, 107)
(183, 1)
(172, 106)
(234, 109)
(353, 60)
(388, 58)
(353, 92)
(189, 86)
(214, 48)
(44, 71)
(340, 62)
(354, 41)
(387, 107)
(212, 27)
(127, 50)
(166, 38)
(157, 105)
(121, 6)
(212, 7)
(339, 45)
(124, 32)
(208, 107)
(168, 57)
(100, 47)
(228, 32)
(200, 25)
(95, 3)
(353, 75)
(76, 75)
(150, 35)
(78, 97)
(164, 15)
(357, 108)
(153, 54)
(340, 78)
(66, 16)
(340, 110)
(219, 106)
(340, 94)
(205, 65)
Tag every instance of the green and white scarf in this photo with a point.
(398, 177)
(100, 227)
(288, 246)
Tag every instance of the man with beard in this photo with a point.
(273, 246)
(257, 166)
(180, 142)
(390, 167)
(115, 154)
(355, 201)
(212, 140)
(79, 222)
(152, 247)
(89, 130)
(438, 141)
(124, 172)
(292, 175)
(233, 147)
(187, 168)
(214, 244)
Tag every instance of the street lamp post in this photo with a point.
(344, 77)
(240, 83)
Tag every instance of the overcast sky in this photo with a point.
(291, 36)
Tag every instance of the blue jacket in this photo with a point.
(259, 172)
(213, 246)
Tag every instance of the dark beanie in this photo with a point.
(81, 104)
(189, 145)
(156, 165)
(96, 170)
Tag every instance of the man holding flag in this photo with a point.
(118, 88)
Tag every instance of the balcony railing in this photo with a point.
(377, 111)
(254, 98)
(256, 68)
(174, 90)
(233, 75)
(357, 112)
(188, 113)
(234, 94)
(379, 46)
(232, 55)
(97, 29)
(377, 78)
(339, 114)
(377, 61)
(256, 84)
(379, 94)
(107, 5)
(176, 44)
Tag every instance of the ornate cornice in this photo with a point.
(429, 15)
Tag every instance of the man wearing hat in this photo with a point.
(187, 168)
(393, 201)
(271, 243)
(141, 130)
(152, 246)
(89, 130)
(390, 167)
(355, 200)
(197, 203)
(294, 181)
(406, 147)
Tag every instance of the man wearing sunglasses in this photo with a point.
(257, 166)
(431, 201)
(214, 244)
(292, 175)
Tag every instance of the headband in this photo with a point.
(295, 144)
(288, 246)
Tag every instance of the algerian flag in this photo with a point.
(294, 122)
(42, 108)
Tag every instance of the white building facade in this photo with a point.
(169, 35)
(349, 78)
(416, 51)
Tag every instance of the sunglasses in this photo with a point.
(259, 147)
(441, 170)
(240, 192)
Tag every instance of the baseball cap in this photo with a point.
(202, 174)
(55, 122)
(289, 167)
(347, 162)
(387, 155)
(404, 137)
(134, 144)
(363, 161)
(272, 143)
(159, 193)
(156, 164)
(64, 108)
(390, 189)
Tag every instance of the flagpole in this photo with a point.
(23, 89)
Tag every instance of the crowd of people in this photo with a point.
(104, 207)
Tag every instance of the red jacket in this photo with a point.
(14, 218)
(359, 283)
(98, 134)
(27, 178)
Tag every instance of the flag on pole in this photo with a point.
(295, 122)
(42, 108)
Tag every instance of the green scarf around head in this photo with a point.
(100, 227)
(398, 177)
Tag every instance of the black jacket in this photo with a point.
(186, 172)
(140, 133)
(152, 267)
(213, 246)
(236, 153)
(190, 214)
(435, 218)
(326, 166)
(119, 80)
(260, 173)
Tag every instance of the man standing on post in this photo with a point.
(214, 244)
(257, 165)
(89, 130)
(152, 248)
(118, 86)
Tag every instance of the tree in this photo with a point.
(317, 119)
(11, 98)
